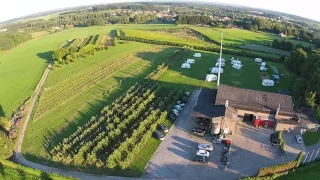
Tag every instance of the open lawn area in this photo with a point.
(311, 138)
(238, 37)
(308, 172)
(22, 67)
(247, 77)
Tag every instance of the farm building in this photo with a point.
(229, 105)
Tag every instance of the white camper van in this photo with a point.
(222, 64)
(222, 60)
(197, 55)
(211, 77)
(263, 64)
(237, 66)
(262, 68)
(259, 60)
(267, 82)
(215, 70)
(190, 61)
(185, 66)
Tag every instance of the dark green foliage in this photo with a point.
(6, 146)
(9, 40)
(285, 45)
(298, 160)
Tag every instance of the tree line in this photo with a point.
(306, 81)
(287, 45)
(9, 40)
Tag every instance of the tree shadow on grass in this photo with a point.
(2, 113)
(47, 56)
(1, 170)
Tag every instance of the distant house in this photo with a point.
(3, 30)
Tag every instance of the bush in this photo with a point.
(298, 160)
(281, 141)
(276, 168)
(6, 146)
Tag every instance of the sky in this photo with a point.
(10, 9)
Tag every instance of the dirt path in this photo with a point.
(18, 157)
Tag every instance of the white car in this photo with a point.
(180, 103)
(202, 152)
(299, 139)
(206, 147)
(175, 112)
(178, 107)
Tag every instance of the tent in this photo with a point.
(222, 60)
(215, 70)
(236, 62)
(237, 66)
(185, 66)
(258, 60)
(262, 68)
(190, 61)
(222, 64)
(197, 55)
(211, 77)
(267, 82)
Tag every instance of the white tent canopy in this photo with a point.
(211, 77)
(190, 61)
(197, 55)
(185, 66)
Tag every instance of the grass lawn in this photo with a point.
(311, 138)
(247, 77)
(68, 115)
(12, 171)
(22, 67)
(237, 37)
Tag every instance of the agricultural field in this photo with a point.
(248, 77)
(22, 67)
(83, 88)
(165, 38)
(238, 37)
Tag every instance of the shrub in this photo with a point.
(298, 160)
(6, 146)
(276, 168)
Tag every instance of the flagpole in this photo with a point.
(220, 60)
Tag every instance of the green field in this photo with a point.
(12, 171)
(238, 37)
(311, 138)
(247, 77)
(22, 67)
(65, 111)
(308, 172)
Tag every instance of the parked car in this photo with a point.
(206, 147)
(163, 128)
(299, 138)
(178, 107)
(274, 139)
(180, 103)
(187, 94)
(201, 159)
(175, 112)
(199, 131)
(295, 118)
(202, 152)
(159, 135)
(172, 116)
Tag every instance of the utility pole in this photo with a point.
(220, 60)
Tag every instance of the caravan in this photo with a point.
(222, 60)
(215, 70)
(259, 60)
(237, 66)
(197, 55)
(262, 68)
(211, 77)
(236, 62)
(190, 61)
(185, 66)
(267, 82)
(222, 64)
(263, 64)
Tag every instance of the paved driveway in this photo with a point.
(250, 151)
